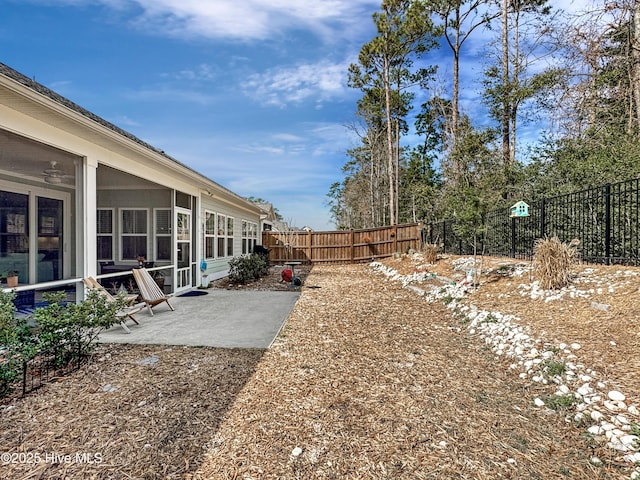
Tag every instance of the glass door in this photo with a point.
(50, 221)
(14, 237)
(31, 237)
(183, 257)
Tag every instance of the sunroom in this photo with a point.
(80, 197)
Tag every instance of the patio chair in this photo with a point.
(150, 292)
(123, 314)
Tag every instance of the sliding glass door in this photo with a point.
(50, 239)
(14, 236)
(31, 237)
(183, 254)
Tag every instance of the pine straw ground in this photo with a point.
(365, 381)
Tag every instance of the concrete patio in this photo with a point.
(221, 318)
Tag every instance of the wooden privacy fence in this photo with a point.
(342, 246)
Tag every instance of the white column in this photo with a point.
(87, 252)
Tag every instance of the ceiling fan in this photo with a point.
(54, 175)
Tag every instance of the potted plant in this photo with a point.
(158, 277)
(12, 278)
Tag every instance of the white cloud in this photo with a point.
(266, 149)
(125, 121)
(167, 94)
(285, 85)
(288, 137)
(60, 85)
(245, 20)
(202, 72)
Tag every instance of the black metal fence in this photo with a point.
(32, 373)
(604, 220)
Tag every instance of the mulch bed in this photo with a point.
(365, 381)
(272, 281)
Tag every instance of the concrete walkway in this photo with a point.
(221, 318)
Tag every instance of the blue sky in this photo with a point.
(251, 93)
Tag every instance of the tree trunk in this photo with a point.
(635, 53)
(397, 166)
(455, 94)
(387, 96)
(506, 114)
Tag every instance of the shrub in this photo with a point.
(247, 268)
(15, 342)
(430, 253)
(263, 252)
(553, 262)
(75, 324)
(554, 367)
(69, 330)
(560, 402)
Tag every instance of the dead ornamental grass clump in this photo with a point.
(430, 253)
(553, 262)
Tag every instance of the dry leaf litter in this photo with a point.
(373, 376)
(611, 418)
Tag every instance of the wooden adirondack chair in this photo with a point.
(125, 313)
(150, 292)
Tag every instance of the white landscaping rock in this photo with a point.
(595, 430)
(505, 336)
(616, 396)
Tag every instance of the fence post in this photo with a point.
(513, 237)
(542, 217)
(264, 241)
(394, 234)
(444, 236)
(24, 378)
(607, 223)
(351, 246)
(309, 249)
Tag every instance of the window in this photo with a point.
(134, 234)
(183, 200)
(183, 227)
(162, 232)
(14, 228)
(229, 237)
(209, 235)
(105, 234)
(254, 235)
(249, 236)
(222, 234)
(244, 237)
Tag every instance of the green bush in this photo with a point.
(247, 268)
(68, 329)
(15, 342)
(76, 324)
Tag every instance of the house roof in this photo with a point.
(40, 89)
(267, 209)
(265, 206)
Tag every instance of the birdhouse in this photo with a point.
(520, 209)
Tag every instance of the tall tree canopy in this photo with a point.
(554, 108)
(385, 73)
